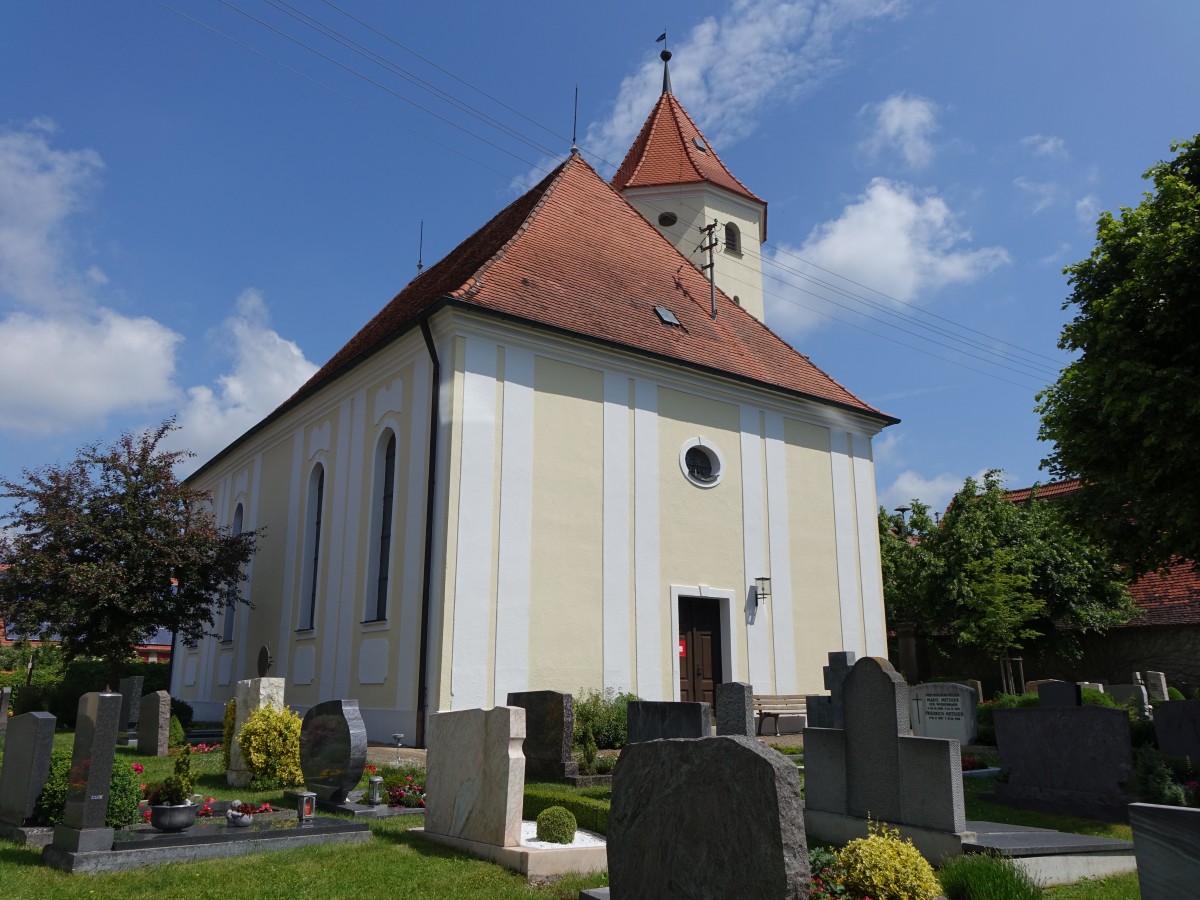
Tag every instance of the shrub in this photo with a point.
(183, 768)
(182, 710)
(175, 735)
(1153, 781)
(270, 745)
(605, 765)
(590, 813)
(985, 725)
(556, 825)
(883, 865)
(228, 721)
(1174, 693)
(1093, 697)
(605, 711)
(123, 793)
(397, 775)
(826, 881)
(981, 876)
(587, 763)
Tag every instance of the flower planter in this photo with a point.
(173, 818)
(236, 821)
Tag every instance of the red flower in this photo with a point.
(137, 767)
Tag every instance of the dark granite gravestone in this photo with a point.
(1069, 759)
(5, 699)
(154, 724)
(549, 733)
(671, 835)
(82, 828)
(1059, 693)
(735, 708)
(827, 711)
(333, 749)
(1165, 839)
(1177, 727)
(656, 720)
(130, 690)
(26, 766)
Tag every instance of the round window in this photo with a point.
(700, 463)
(667, 219)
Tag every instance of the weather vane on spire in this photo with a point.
(665, 56)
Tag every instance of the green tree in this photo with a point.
(103, 551)
(1125, 414)
(999, 576)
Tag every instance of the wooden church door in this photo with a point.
(699, 648)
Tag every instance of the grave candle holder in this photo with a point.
(307, 806)
(375, 790)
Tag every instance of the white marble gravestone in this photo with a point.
(943, 710)
(252, 694)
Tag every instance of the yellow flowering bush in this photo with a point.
(884, 866)
(270, 744)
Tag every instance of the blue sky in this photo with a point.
(188, 227)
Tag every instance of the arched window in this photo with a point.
(231, 603)
(733, 238)
(385, 488)
(312, 547)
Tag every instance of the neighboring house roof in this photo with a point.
(666, 153)
(1170, 597)
(573, 256)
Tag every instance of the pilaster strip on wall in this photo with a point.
(472, 580)
(295, 525)
(328, 599)
(649, 590)
(407, 611)
(845, 526)
(242, 618)
(618, 658)
(514, 578)
(754, 550)
(349, 606)
(210, 646)
(874, 629)
(783, 599)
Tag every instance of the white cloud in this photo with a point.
(267, 369)
(1057, 257)
(730, 66)
(910, 485)
(1087, 210)
(1046, 145)
(903, 123)
(1041, 194)
(895, 238)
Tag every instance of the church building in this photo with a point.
(560, 458)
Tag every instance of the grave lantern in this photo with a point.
(375, 790)
(307, 807)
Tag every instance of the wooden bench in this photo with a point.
(777, 705)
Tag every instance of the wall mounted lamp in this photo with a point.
(762, 589)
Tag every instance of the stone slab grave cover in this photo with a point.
(735, 708)
(252, 694)
(475, 775)
(671, 835)
(943, 710)
(1059, 693)
(658, 720)
(1156, 685)
(1166, 840)
(873, 768)
(96, 725)
(5, 700)
(154, 724)
(826, 711)
(333, 749)
(26, 766)
(1075, 760)
(1177, 727)
(549, 734)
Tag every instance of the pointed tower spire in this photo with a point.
(665, 56)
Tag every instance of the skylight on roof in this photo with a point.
(700, 145)
(667, 316)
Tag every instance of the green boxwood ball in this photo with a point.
(556, 825)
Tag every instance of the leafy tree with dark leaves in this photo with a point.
(1125, 415)
(103, 551)
(999, 576)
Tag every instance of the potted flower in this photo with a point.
(170, 807)
(241, 814)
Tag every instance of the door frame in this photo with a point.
(728, 644)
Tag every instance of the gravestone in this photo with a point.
(26, 766)
(333, 749)
(823, 711)
(657, 720)
(1092, 685)
(475, 775)
(1165, 839)
(1059, 693)
(670, 835)
(1133, 696)
(1177, 728)
(735, 708)
(549, 734)
(873, 768)
(1068, 759)
(82, 829)
(1031, 687)
(130, 689)
(943, 710)
(1156, 685)
(154, 724)
(252, 694)
(976, 685)
(5, 700)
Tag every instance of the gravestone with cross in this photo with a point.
(826, 711)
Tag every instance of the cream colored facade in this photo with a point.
(564, 532)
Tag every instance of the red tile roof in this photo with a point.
(666, 153)
(573, 256)
(1171, 597)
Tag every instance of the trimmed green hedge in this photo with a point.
(590, 812)
(57, 691)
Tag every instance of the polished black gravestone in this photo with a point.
(333, 750)
(549, 734)
(82, 829)
(130, 690)
(653, 720)
(26, 767)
